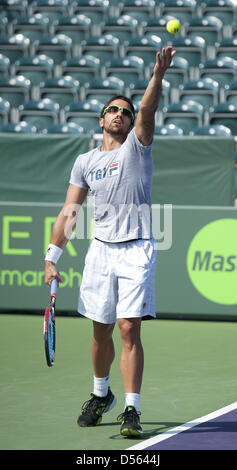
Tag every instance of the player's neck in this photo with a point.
(112, 142)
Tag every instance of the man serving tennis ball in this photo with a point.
(118, 277)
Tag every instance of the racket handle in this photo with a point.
(54, 287)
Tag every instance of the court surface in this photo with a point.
(215, 431)
(190, 372)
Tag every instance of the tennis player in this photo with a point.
(118, 277)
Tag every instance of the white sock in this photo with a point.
(101, 386)
(132, 399)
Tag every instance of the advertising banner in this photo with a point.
(197, 276)
(196, 259)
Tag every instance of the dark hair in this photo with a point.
(118, 97)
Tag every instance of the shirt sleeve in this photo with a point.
(77, 175)
(133, 140)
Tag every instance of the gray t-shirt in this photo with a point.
(120, 181)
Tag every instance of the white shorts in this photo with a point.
(118, 281)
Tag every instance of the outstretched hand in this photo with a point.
(163, 61)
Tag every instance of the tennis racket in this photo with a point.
(49, 325)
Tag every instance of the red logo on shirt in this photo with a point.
(113, 169)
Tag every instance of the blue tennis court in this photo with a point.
(215, 431)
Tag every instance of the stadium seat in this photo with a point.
(157, 26)
(144, 47)
(128, 69)
(33, 27)
(192, 48)
(169, 129)
(204, 91)
(138, 87)
(14, 46)
(209, 28)
(137, 90)
(63, 90)
(227, 47)
(123, 27)
(224, 9)
(104, 89)
(39, 113)
(225, 114)
(76, 27)
(12, 9)
(212, 131)
(3, 23)
(184, 10)
(16, 90)
(84, 68)
(4, 111)
(105, 47)
(4, 66)
(177, 73)
(223, 70)
(52, 8)
(97, 136)
(19, 128)
(97, 130)
(141, 10)
(96, 10)
(136, 105)
(230, 93)
(187, 116)
(233, 29)
(36, 68)
(57, 46)
(85, 113)
(66, 128)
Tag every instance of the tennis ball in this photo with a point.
(173, 26)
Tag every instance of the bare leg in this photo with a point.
(132, 357)
(102, 399)
(102, 348)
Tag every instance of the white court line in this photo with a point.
(183, 427)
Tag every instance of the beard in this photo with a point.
(114, 130)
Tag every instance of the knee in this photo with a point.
(103, 332)
(130, 330)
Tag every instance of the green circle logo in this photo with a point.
(212, 261)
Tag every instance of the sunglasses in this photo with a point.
(113, 109)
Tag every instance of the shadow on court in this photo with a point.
(211, 431)
(157, 428)
(219, 426)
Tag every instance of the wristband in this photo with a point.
(53, 253)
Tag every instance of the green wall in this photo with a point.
(196, 270)
(187, 170)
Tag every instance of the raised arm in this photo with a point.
(65, 220)
(145, 121)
